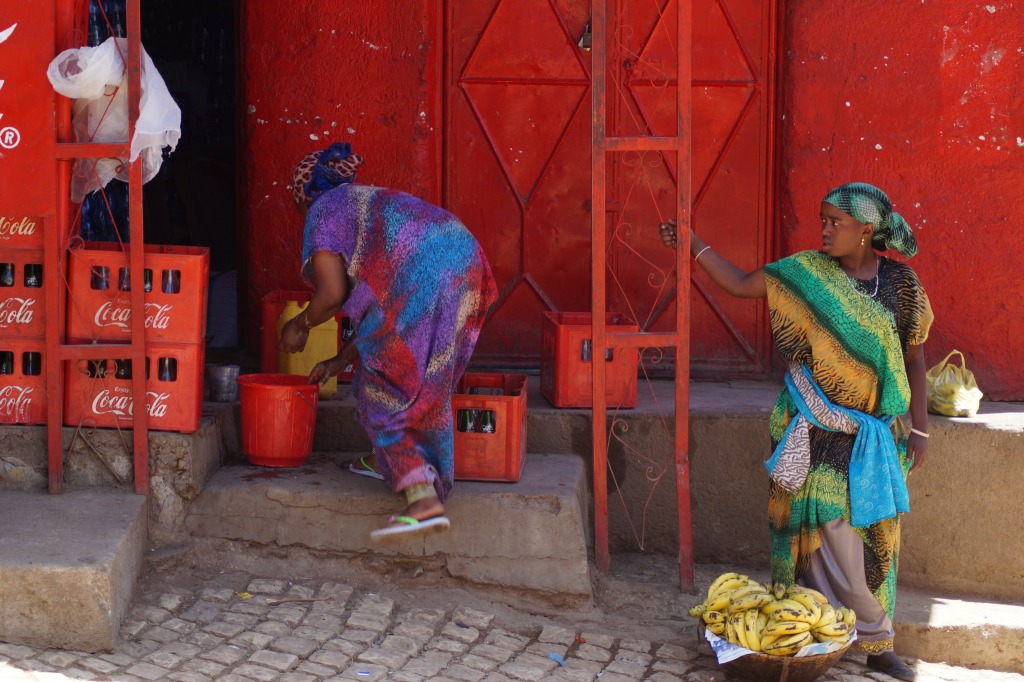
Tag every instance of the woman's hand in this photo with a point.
(668, 233)
(293, 336)
(323, 371)
(917, 448)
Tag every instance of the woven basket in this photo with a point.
(764, 668)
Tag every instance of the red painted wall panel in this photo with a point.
(924, 100)
(919, 98)
(318, 72)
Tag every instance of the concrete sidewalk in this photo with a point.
(192, 625)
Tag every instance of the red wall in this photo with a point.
(923, 99)
(899, 94)
(320, 68)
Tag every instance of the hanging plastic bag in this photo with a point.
(952, 390)
(95, 77)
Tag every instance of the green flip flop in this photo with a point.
(410, 528)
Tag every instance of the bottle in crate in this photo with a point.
(322, 344)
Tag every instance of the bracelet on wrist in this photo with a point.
(305, 321)
(923, 434)
(700, 253)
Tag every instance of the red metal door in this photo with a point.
(517, 164)
(517, 158)
(732, 133)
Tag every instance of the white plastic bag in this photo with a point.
(96, 78)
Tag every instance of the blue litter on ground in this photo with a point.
(557, 658)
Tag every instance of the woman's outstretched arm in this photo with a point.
(723, 273)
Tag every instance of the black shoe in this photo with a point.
(893, 668)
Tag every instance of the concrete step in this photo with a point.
(179, 463)
(69, 564)
(963, 631)
(528, 535)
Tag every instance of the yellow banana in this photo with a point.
(789, 613)
(762, 621)
(785, 627)
(711, 617)
(841, 639)
(727, 587)
(779, 591)
(787, 646)
(834, 630)
(720, 580)
(809, 603)
(848, 616)
(720, 602)
(751, 601)
(800, 589)
(750, 630)
(717, 628)
(698, 610)
(740, 628)
(730, 631)
(828, 616)
(782, 604)
(741, 592)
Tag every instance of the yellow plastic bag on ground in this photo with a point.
(952, 390)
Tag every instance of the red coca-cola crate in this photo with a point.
(494, 406)
(22, 301)
(103, 397)
(22, 380)
(271, 307)
(566, 373)
(100, 309)
(21, 232)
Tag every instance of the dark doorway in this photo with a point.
(192, 201)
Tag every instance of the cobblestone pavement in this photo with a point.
(240, 629)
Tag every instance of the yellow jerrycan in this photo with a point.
(321, 345)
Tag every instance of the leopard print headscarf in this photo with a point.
(324, 170)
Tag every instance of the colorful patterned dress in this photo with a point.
(419, 291)
(854, 346)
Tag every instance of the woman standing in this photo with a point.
(851, 325)
(416, 286)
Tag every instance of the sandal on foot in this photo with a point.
(364, 469)
(898, 670)
(410, 528)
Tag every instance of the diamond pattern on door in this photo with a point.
(524, 39)
(522, 141)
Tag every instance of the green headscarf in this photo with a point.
(868, 204)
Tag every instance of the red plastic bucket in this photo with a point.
(278, 418)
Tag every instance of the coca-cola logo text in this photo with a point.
(16, 311)
(120, 404)
(14, 227)
(15, 402)
(108, 315)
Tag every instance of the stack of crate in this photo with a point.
(22, 324)
(99, 392)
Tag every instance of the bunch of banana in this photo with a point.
(774, 620)
(804, 616)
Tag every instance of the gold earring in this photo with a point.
(862, 241)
